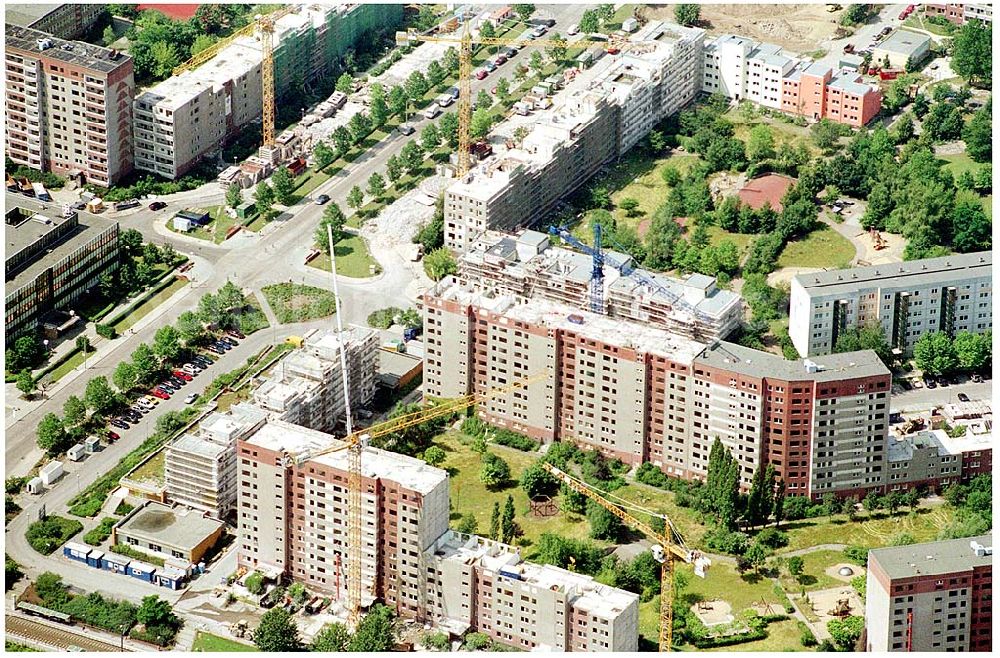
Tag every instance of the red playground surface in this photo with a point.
(177, 12)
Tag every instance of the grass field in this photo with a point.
(872, 532)
(129, 320)
(152, 470)
(781, 636)
(207, 642)
(293, 302)
(823, 247)
(469, 495)
(813, 575)
(959, 163)
(68, 365)
(353, 259)
(988, 205)
(646, 185)
(216, 229)
(783, 132)
(741, 240)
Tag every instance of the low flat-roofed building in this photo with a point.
(171, 531)
(396, 369)
(933, 459)
(935, 596)
(51, 260)
(903, 48)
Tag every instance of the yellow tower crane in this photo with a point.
(355, 444)
(465, 42)
(669, 545)
(263, 26)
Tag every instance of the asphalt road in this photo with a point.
(923, 399)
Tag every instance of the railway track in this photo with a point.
(19, 628)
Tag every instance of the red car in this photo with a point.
(183, 375)
(501, 60)
(160, 394)
(112, 436)
(481, 74)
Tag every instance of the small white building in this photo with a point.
(51, 472)
(77, 452)
(183, 224)
(35, 486)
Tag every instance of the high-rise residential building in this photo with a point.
(66, 21)
(182, 119)
(741, 69)
(293, 517)
(640, 393)
(951, 294)
(600, 114)
(69, 106)
(305, 387)
(526, 264)
(479, 584)
(51, 261)
(960, 14)
(936, 596)
(200, 468)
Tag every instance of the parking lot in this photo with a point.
(924, 399)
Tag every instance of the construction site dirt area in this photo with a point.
(799, 28)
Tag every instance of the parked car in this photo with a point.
(930, 383)
(213, 348)
(321, 199)
(157, 205)
(120, 424)
(191, 369)
(202, 360)
(977, 378)
(186, 376)
(191, 398)
(112, 436)
(150, 400)
(163, 395)
(942, 381)
(406, 129)
(489, 66)
(229, 340)
(139, 409)
(500, 60)
(453, 91)
(510, 52)
(481, 74)
(573, 29)
(963, 397)
(235, 333)
(539, 31)
(176, 382)
(166, 387)
(432, 111)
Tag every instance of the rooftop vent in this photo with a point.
(979, 549)
(44, 44)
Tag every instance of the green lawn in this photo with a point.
(207, 642)
(152, 470)
(783, 132)
(293, 302)
(823, 247)
(646, 185)
(872, 532)
(741, 240)
(66, 366)
(216, 229)
(129, 320)
(313, 179)
(813, 575)
(988, 205)
(469, 495)
(960, 163)
(353, 259)
(781, 636)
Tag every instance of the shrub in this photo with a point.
(649, 474)
(13, 485)
(128, 551)
(437, 641)
(95, 536)
(49, 534)
(720, 539)
(255, 583)
(772, 538)
(514, 440)
(105, 331)
(476, 641)
(857, 554)
(806, 636)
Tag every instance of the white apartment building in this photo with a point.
(293, 518)
(600, 114)
(478, 584)
(766, 66)
(951, 293)
(200, 468)
(725, 66)
(979, 11)
(305, 387)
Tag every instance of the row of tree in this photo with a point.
(937, 353)
(376, 632)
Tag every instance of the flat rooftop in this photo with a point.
(904, 42)
(174, 526)
(77, 53)
(902, 448)
(906, 275)
(753, 363)
(198, 445)
(409, 472)
(29, 226)
(25, 15)
(937, 558)
(90, 226)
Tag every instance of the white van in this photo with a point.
(432, 111)
(444, 100)
(573, 29)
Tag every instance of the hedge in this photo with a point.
(166, 280)
(98, 534)
(476, 427)
(49, 534)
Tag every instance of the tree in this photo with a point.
(146, 365)
(345, 83)
(494, 471)
(154, 611)
(451, 60)
(524, 11)
(605, 12)
(934, 353)
(230, 297)
(503, 89)
(508, 526)
(978, 135)
(487, 31)
(556, 47)
(971, 227)
(973, 351)
(27, 353)
(972, 52)
(846, 632)
(449, 129)
(825, 134)
(755, 497)
(360, 126)
(629, 205)
(397, 101)
(323, 155)
(167, 343)
(687, 14)
(436, 73)
(481, 123)
(483, 100)
(277, 632)
(535, 61)
(430, 137)
(536, 481)
(434, 456)
(25, 383)
(873, 502)
(355, 198)
(165, 59)
(439, 263)
(283, 184)
(264, 196)
(131, 241)
(411, 156)
(376, 185)
(519, 134)
(332, 637)
(867, 337)
(125, 376)
(756, 555)
(189, 327)
(342, 140)
(589, 22)
(233, 196)
(416, 86)
(378, 108)
(74, 412)
(943, 122)
(109, 36)
(760, 144)
(795, 565)
(603, 523)
(393, 169)
(99, 396)
(376, 632)
(51, 434)
(495, 521)
(779, 503)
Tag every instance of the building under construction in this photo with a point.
(527, 265)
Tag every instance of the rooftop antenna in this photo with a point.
(340, 332)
